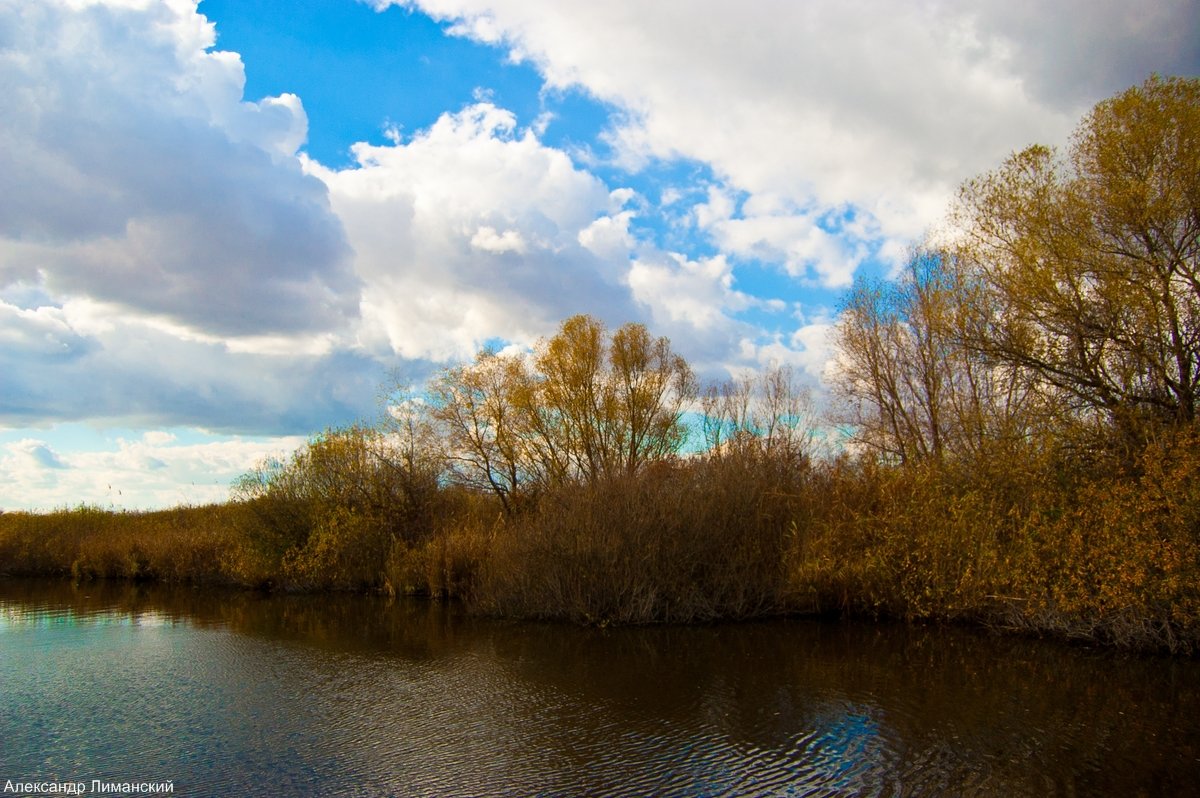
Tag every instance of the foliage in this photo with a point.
(330, 514)
(585, 407)
(1091, 263)
(1118, 557)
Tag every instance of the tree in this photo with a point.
(613, 403)
(410, 448)
(914, 390)
(332, 511)
(767, 414)
(1091, 263)
(583, 406)
(479, 409)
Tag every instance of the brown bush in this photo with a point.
(688, 541)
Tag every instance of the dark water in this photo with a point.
(240, 694)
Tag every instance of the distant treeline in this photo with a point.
(1024, 450)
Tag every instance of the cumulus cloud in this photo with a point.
(82, 361)
(694, 302)
(132, 171)
(877, 105)
(825, 250)
(474, 230)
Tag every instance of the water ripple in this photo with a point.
(358, 698)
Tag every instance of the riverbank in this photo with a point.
(1045, 544)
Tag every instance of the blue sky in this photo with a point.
(223, 225)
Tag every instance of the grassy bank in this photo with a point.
(1046, 542)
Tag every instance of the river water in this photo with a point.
(234, 693)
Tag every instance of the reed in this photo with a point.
(185, 544)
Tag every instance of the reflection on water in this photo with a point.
(238, 693)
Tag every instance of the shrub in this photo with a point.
(686, 541)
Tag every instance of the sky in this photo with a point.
(224, 225)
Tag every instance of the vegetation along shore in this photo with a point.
(1016, 423)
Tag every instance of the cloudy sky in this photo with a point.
(223, 225)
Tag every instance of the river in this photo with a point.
(235, 693)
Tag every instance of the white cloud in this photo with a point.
(796, 240)
(694, 303)
(807, 349)
(42, 332)
(880, 106)
(608, 237)
(488, 240)
(473, 230)
(79, 360)
(164, 257)
(155, 471)
(35, 454)
(157, 437)
(132, 171)
(695, 291)
(813, 341)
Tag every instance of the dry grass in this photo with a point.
(188, 544)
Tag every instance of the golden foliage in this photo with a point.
(585, 406)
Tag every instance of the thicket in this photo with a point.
(1038, 364)
(1025, 448)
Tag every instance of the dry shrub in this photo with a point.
(344, 551)
(447, 562)
(1042, 541)
(687, 541)
(1118, 559)
(445, 566)
(329, 516)
(907, 542)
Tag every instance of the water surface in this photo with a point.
(242, 694)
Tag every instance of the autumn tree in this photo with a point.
(913, 391)
(330, 513)
(410, 447)
(342, 468)
(1091, 261)
(584, 405)
(608, 404)
(479, 408)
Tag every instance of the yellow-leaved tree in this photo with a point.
(1067, 293)
(1091, 261)
(585, 405)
